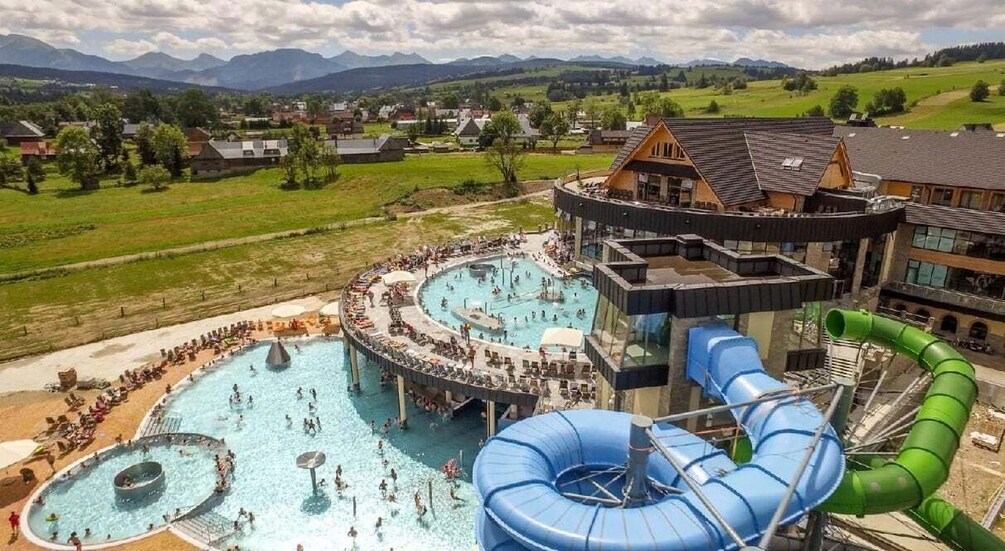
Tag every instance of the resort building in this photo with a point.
(771, 186)
(653, 291)
(949, 250)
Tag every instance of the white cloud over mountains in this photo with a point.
(809, 33)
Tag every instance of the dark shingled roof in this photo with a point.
(963, 159)
(637, 136)
(718, 147)
(769, 149)
(983, 221)
(20, 129)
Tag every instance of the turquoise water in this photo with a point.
(524, 325)
(268, 483)
(88, 499)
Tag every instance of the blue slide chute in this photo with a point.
(531, 477)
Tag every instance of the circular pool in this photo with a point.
(524, 306)
(139, 480)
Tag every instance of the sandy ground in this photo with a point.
(107, 359)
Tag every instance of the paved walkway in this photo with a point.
(412, 314)
(107, 359)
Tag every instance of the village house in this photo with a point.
(222, 157)
(384, 149)
(18, 132)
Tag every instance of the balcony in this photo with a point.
(964, 302)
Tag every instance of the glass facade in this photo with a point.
(594, 235)
(955, 279)
(632, 340)
(972, 244)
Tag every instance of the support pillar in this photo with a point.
(449, 396)
(353, 366)
(402, 410)
(490, 418)
(675, 397)
(856, 278)
(578, 237)
(639, 448)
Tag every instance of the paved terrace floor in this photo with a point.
(412, 314)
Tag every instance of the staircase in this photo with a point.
(208, 527)
(161, 425)
(845, 359)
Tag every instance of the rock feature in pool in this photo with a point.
(478, 319)
(481, 269)
(278, 356)
(139, 480)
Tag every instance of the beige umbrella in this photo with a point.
(330, 309)
(16, 451)
(398, 276)
(287, 311)
(562, 336)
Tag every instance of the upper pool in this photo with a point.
(268, 482)
(518, 303)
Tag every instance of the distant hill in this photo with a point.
(126, 83)
(264, 69)
(369, 78)
(157, 61)
(747, 62)
(17, 49)
(616, 59)
(352, 60)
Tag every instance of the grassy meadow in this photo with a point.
(63, 224)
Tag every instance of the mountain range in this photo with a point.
(277, 68)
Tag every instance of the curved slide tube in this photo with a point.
(516, 473)
(922, 465)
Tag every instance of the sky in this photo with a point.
(803, 33)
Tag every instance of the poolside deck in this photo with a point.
(554, 390)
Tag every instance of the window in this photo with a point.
(916, 192)
(979, 330)
(949, 325)
(971, 199)
(923, 314)
(997, 202)
(942, 196)
(927, 273)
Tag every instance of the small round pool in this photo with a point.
(87, 497)
(519, 304)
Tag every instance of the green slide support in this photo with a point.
(922, 465)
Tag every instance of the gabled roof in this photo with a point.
(769, 152)
(247, 149)
(719, 150)
(385, 142)
(43, 149)
(470, 127)
(20, 129)
(963, 158)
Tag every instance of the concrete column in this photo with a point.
(449, 396)
(353, 366)
(693, 403)
(402, 410)
(856, 278)
(646, 401)
(578, 240)
(771, 331)
(490, 418)
(675, 397)
(816, 257)
(898, 252)
(605, 394)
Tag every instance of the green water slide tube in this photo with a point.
(922, 465)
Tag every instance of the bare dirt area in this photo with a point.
(977, 473)
(426, 199)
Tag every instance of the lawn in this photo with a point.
(64, 225)
(80, 306)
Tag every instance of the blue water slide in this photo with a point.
(520, 475)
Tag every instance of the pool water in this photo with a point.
(88, 500)
(524, 324)
(268, 483)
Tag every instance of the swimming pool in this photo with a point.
(88, 500)
(268, 482)
(521, 313)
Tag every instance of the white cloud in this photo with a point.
(811, 33)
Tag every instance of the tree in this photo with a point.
(33, 169)
(713, 107)
(413, 131)
(1001, 88)
(155, 178)
(982, 58)
(451, 101)
(539, 112)
(945, 61)
(572, 110)
(107, 134)
(494, 104)
(141, 106)
(195, 109)
(330, 160)
(10, 170)
(77, 157)
(315, 108)
(980, 91)
(592, 111)
(145, 145)
(32, 186)
(815, 111)
(844, 101)
(504, 153)
(554, 128)
(662, 106)
(886, 101)
(801, 82)
(129, 175)
(613, 119)
(170, 148)
(739, 83)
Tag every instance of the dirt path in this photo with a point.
(226, 243)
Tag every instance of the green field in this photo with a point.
(937, 95)
(64, 225)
